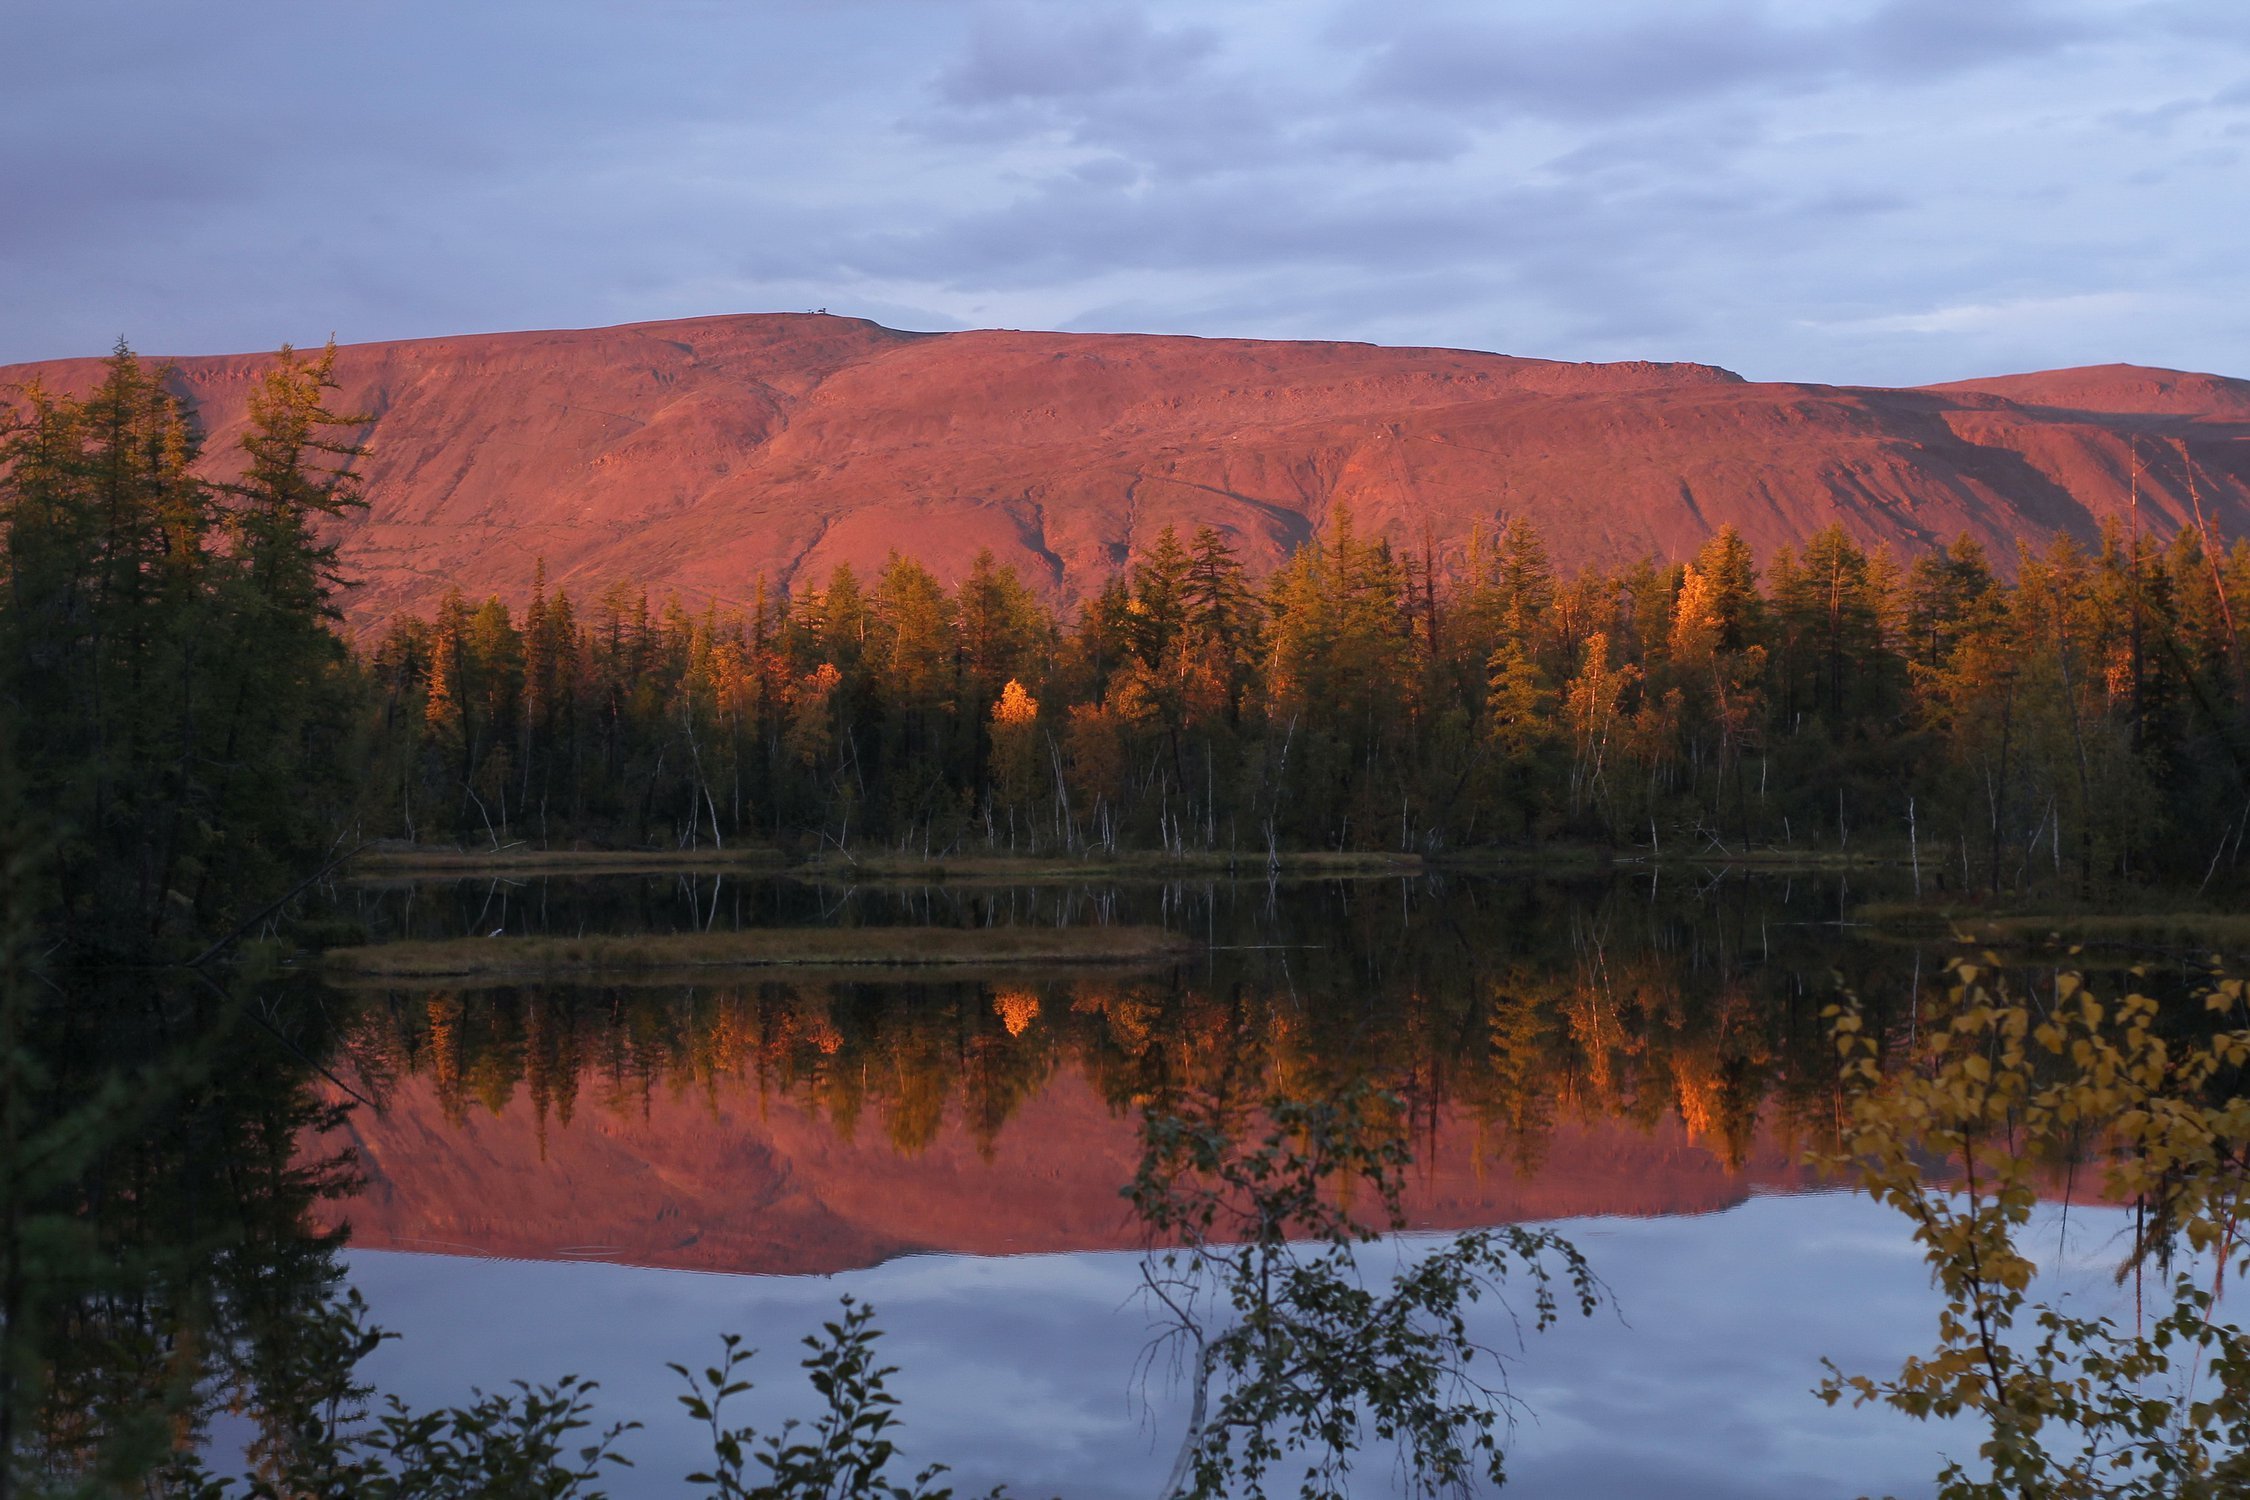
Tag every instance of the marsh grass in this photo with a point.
(408, 862)
(654, 954)
(1314, 864)
(2221, 931)
(2229, 931)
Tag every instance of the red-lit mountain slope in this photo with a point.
(696, 455)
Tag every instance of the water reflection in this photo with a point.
(165, 1247)
(1020, 1371)
(1562, 1051)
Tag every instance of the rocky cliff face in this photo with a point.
(697, 455)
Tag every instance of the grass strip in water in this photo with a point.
(2229, 931)
(398, 862)
(2209, 930)
(757, 947)
(1139, 864)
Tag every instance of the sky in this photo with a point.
(1855, 191)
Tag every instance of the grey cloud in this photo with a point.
(2158, 120)
(1306, 305)
(1190, 131)
(1292, 255)
(1934, 38)
(1646, 59)
(1392, 138)
(1067, 231)
(1055, 51)
(988, 125)
(2165, 118)
(1736, 181)
(1181, 120)
(1649, 151)
(1557, 71)
(1851, 203)
(2203, 20)
(1106, 172)
(2217, 159)
(1169, 97)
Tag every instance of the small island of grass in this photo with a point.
(641, 954)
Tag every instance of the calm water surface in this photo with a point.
(598, 1179)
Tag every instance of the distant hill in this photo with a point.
(696, 455)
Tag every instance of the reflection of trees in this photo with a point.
(177, 1276)
(201, 1288)
(1636, 1019)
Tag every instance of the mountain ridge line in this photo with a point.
(695, 455)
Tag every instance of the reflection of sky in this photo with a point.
(1021, 1370)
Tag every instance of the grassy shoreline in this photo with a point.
(2051, 929)
(405, 862)
(754, 948)
(399, 862)
(1140, 865)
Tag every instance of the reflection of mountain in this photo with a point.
(813, 1128)
(768, 1186)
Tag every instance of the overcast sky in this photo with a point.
(1887, 191)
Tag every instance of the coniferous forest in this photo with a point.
(2073, 717)
(179, 704)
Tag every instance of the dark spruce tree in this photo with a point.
(173, 684)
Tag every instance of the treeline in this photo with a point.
(173, 689)
(2084, 723)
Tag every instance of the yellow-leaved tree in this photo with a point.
(1959, 1127)
(1015, 751)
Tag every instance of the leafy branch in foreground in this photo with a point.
(530, 1441)
(1956, 1132)
(535, 1441)
(1287, 1348)
(845, 1454)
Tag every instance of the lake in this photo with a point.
(600, 1177)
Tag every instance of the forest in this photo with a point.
(2079, 724)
